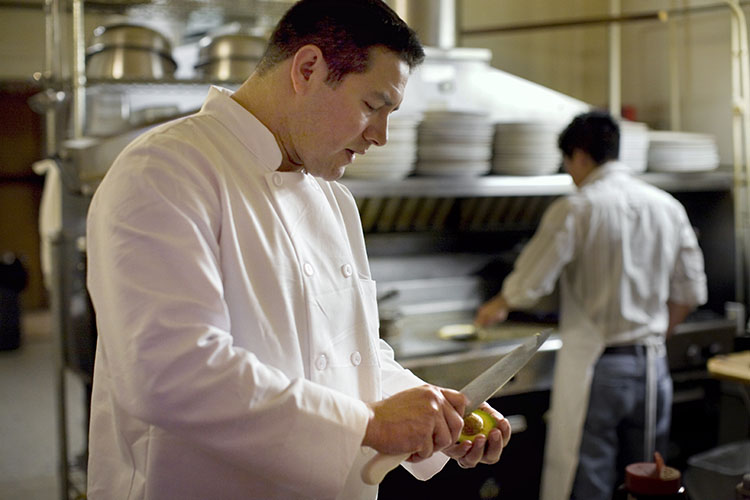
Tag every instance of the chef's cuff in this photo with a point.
(425, 469)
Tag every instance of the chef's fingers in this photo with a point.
(455, 419)
(494, 447)
(475, 454)
(448, 425)
(501, 422)
(505, 429)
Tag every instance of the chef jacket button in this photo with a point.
(321, 362)
(277, 180)
(356, 358)
(308, 269)
(346, 270)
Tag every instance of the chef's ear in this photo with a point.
(308, 68)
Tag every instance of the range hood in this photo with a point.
(461, 78)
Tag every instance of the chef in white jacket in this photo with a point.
(630, 269)
(238, 353)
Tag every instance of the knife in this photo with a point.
(477, 391)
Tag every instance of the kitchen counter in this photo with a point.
(453, 363)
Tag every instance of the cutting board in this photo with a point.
(735, 367)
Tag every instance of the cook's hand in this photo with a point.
(494, 310)
(419, 421)
(484, 449)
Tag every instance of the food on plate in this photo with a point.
(460, 331)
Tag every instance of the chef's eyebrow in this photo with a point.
(384, 97)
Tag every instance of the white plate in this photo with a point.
(454, 152)
(453, 169)
(695, 167)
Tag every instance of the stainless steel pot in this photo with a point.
(227, 69)
(124, 63)
(230, 56)
(131, 36)
(129, 52)
(231, 46)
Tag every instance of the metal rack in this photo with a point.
(66, 88)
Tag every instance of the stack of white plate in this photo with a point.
(681, 152)
(527, 148)
(454, 143)
(634, 145)
(396, 159)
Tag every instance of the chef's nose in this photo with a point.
(377, 131)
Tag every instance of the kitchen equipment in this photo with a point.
(454, 143)
(651, 480)
(681, 152)
(634, 145)
(394, 160)
(129, 51)
(229, 56)
(477, 391)
(526, 148)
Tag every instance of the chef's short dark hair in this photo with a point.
(345, 31)
(595, 133)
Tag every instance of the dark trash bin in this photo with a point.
(13, 279)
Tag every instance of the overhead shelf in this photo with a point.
(538, 185)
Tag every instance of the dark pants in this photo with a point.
(614, 430)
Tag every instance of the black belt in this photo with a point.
(632, 350)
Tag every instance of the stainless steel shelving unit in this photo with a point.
(539, 185)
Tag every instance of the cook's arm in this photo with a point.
(677, 314)
(540, 263)
(396, 378)
(687, 286)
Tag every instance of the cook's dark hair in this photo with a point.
(345, 31)
(595, 133)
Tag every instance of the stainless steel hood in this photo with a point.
(461, 78)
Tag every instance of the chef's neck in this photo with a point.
(267, 97)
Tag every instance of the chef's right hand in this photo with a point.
(494, 310)
(419, 421)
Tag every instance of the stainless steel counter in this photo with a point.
(453, 363)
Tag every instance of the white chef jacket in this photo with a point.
(621, 249)
(237, 322)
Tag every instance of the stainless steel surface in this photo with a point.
(129, 35)
(231, 46)
(119, 63)
(542, 185)
(493, 379)
(233, 69)
(453, 363)
(433, 20)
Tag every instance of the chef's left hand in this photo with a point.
(484, 449)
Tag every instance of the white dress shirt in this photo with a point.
(621, 248)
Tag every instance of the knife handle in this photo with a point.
(375, 470)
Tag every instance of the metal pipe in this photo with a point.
(615, 63)
(739, 192)
(433, 20)
(740, 107)
(52, 69)
(79, 71)
(675, 111)
(659, 15)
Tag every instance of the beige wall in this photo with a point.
(21, 43)
(575, 60)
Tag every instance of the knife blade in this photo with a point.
(477, 391)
